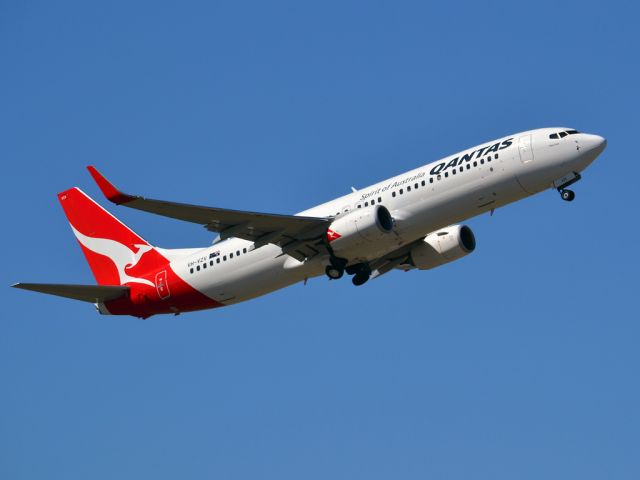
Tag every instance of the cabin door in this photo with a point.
(525, 149)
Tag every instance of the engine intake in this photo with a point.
(443, 246)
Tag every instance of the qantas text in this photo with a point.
(442, 166)
(467, 157)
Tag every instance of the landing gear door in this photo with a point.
(525, 149)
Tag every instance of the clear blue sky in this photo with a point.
(520, 361)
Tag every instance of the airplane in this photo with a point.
(410, 221)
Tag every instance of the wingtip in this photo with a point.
(108, 189)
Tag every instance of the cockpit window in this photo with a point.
(563, 134)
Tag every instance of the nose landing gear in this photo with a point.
(567, 195)
(562, 183)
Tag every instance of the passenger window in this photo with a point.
(244, 250)
(468, 166)
(475, 164)
(204, 265)
(482, 161)
(416, 186)
(224, 258)
(218, 260)
(379, 199)
(495, 156)
(430, 179)
(238, 253)
(230, 256)
(423, 183)
(373, 202)
(366, 204)
(191, 270)
(454, 171)
(211, 263)
(563, 134)
(461, 169)
(359, 206)
(401, 191)
(393, 194)
(409, 188)
(439, 177)
(198, 268)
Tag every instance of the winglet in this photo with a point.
(112, 193)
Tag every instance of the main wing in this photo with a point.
(297, 236)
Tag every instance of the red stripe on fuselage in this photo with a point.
(145, 300)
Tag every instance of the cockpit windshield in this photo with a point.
(555, 136)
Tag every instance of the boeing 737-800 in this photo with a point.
(406, 222)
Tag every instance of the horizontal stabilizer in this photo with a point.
(86, 293)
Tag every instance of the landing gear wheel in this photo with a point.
(353, 269)
(360, 279)
(567, 195)
(333, 273)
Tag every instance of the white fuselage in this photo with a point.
(420, 201)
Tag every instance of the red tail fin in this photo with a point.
(116, 254)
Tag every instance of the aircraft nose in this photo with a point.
(594, 143)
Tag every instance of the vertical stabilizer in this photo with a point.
(116, 254)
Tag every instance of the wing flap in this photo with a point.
(398, 259)
(85, 293)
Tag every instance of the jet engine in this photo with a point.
(443, 246)
(360, 228)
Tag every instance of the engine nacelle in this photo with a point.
(443, 246)
(360, 228)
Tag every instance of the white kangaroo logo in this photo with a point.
(121, 256)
